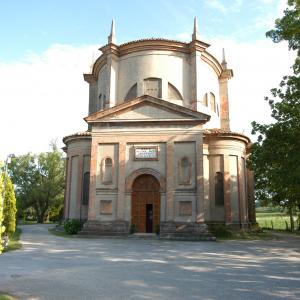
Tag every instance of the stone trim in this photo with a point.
(190, 115)
(130, 179)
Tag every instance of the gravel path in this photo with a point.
(51, 267)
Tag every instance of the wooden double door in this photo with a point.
(145, 206)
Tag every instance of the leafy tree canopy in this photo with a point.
(275, 158)
(39, 181)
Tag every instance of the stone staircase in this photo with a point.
(104, 229)
(185, 231)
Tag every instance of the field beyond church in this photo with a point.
(273, 218)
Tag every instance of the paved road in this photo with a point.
(51, 267)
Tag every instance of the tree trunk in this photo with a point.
(40, 218)
(291, 218)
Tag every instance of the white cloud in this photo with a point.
(43, 97)
(257, 67)
(218, 5)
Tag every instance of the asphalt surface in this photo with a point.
(51, 267)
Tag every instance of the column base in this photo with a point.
(187, 231)
(105, 228)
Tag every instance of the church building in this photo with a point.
(158, 154)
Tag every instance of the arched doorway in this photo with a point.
(145, 207)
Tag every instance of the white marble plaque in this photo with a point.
(145, 153)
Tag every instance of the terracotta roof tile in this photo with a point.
(152, 39)
(220, 131)
(83, 133)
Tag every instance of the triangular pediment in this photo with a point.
(147, 109)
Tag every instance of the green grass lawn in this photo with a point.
(274, 220)
(6, 297)
(14, 243)
(60, 233)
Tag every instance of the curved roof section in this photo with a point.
(77, 135)
(154, 44)
(219, 132)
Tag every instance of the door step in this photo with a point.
(142, 235)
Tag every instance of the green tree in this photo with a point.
(39, 181)
(9, 212)
(275, 156)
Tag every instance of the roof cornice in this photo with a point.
(156, 44)
(103, 114)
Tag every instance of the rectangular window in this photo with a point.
(86, 188)
(152, 87)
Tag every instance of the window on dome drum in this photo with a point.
(132, 93)
(219, 189)
(173, 93)
(107, 166)
(184, 171)
(212, 102)
(205, 100)
(152, 87)
(85, 188)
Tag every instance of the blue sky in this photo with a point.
(32, 26)
(46, 46)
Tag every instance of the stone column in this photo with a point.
(93, 93)
(241, 191)
(199, 182)
(227, 195)
(194, 80)
(79, 186)
(93, 177)
(170, 181)
(206, 188)
(112, 67)
(67, 190)
(250, 196)
(224, 103)
(121, 181)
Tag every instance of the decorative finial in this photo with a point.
(196, 35)
(112, 37)
(224, 62)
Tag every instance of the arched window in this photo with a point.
(152, 87)
(213, 106)
(184, 171)
(132, 93)
(85, 188)
(107, 166)
(173, 93)
(219, 189)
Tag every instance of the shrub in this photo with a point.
(72, 226)
(221, 231)
(10, 210)
(132, 229)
